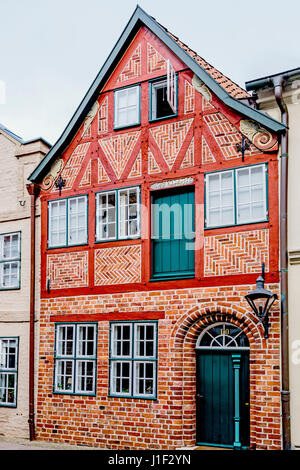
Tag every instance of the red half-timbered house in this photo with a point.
(153, 230)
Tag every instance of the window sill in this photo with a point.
(66, 246)
(237, 225)
(162, 118)
(172, 278)
(74, 394)
(127, 126)
(10, 288)
(7, 405)
(133, 397)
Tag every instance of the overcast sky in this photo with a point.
(51, 50)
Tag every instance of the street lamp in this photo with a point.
(260, 301)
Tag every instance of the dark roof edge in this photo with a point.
(140, 16)
(267, 81)
(19, 139)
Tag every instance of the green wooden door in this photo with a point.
(217, 417)
(173, 231)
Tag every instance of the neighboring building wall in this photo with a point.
(266, 102)
(17, 161)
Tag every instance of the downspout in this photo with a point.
(285, 382)
(33, 190)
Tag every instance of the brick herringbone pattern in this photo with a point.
(133, 67)
(136, 169)
(152, 164)
(189, 98)
(73, 165)
(155, 61)
(226, 136)
(189, 156)
(206, 104)
(120, 265)
(236, 253)
(67, 270)
(207, 156)
(102, 117)
(118, 150)
(86, 179)
(170, 137)
(102, 175)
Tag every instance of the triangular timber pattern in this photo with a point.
(188, 160)
(155, 61)
(103, 117)
(226, 135)
(170, 137)
(118, 149)
(133, 67)
(86, 179)
(236, 253)
(136, 170)
(118, 265)
(73, 166)
(207, 155)
(153, 166)
(189, 98)
(102, 174)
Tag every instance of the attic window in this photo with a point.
(160, 107)
(127, 107)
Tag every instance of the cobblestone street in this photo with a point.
(25, 444)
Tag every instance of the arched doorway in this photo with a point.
(222, 396)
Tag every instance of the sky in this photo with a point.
(51, 50)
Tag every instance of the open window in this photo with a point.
(163, 93)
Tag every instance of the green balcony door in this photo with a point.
(173, 234)
(222, 396)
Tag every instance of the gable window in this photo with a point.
(8, 371)
(133, 358)
(10, 260)
(236, 196)
(159, 105)
(75, 359)
(118, 214)
(173, 233)
(127, 107)
(67, 222)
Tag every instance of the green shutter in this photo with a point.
(173, 230)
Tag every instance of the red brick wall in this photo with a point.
(170, 421)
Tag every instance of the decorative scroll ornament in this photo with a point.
(202, 88)
(172, 183)
(53, 174)
(92, 113)
(259, 136)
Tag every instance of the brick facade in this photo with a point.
(170, 421)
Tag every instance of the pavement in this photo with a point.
(24, 444)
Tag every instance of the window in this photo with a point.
(8, 371)
(10, 260)
(75, 359)
(118, 214)
(133, 358)
(173, 233)
(160, 106)
(67, 221)
(127, 107)
(236, 196)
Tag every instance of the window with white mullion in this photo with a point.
(10, 254)
(64, 371)
(85, 376)
(145, 340)
(251, 194)
(86, 341)
(220, 199)
(9, 274)
(10, 246)
(121, 377)
(77, 220)
(8, 371)
(57, 223)
(65, 340)
(121, 340)
(144, 378)
(127, 106)
(106, 215)
(129, 213)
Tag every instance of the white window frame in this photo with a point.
(9, 261)
(75, 358)
(77, 214)
(236, 220)
(118, 214)
(133, 359)
(162, 83)
(220, 207)
(99, 224)
(6, 371)
(67, 233)
(123, 223)
(117, 108)
(265, 215)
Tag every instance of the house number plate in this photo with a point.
(172, 183)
